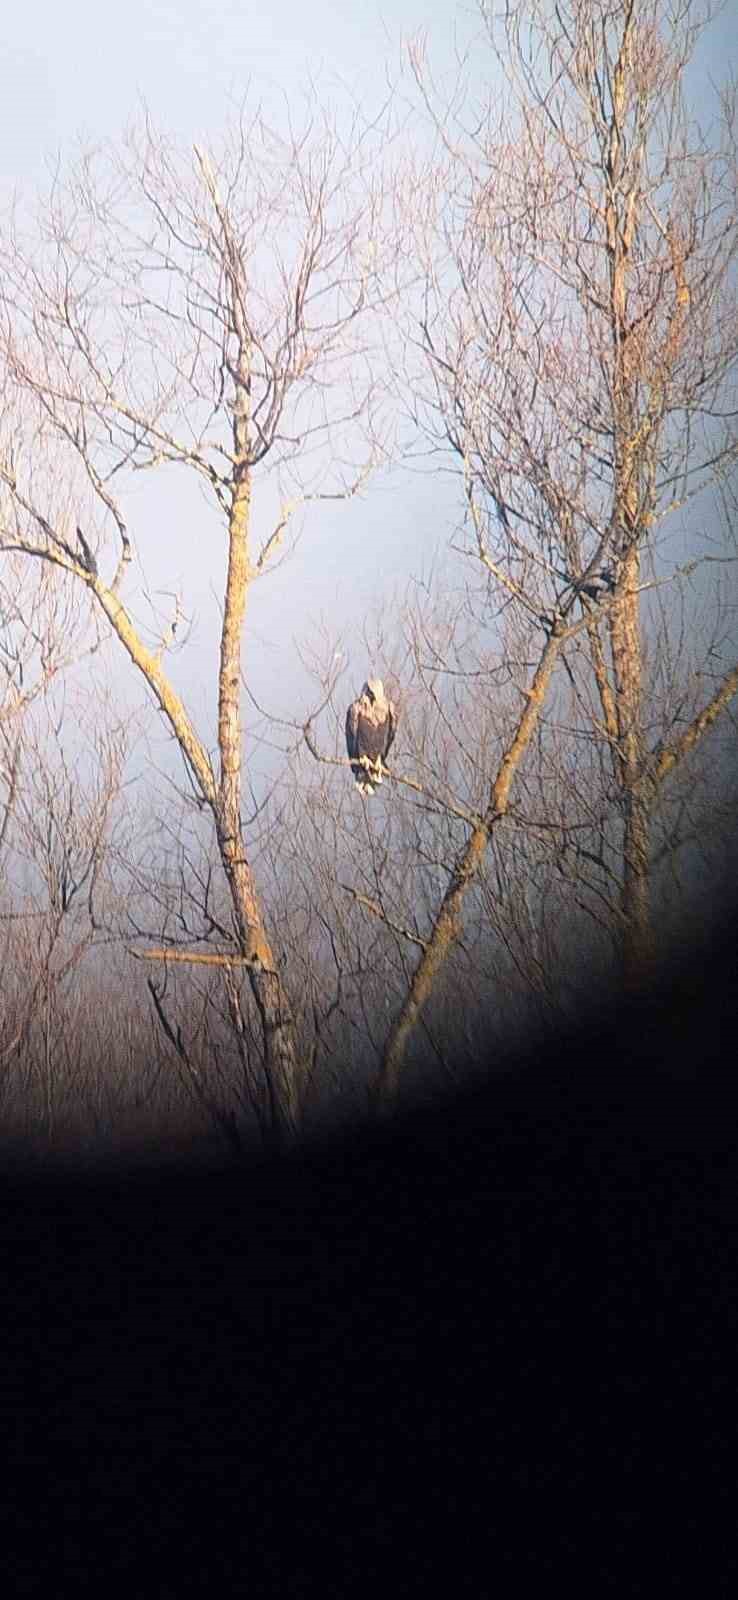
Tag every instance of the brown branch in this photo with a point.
(604, 687)
(443, 804)
(447, 927)
(378, 911)
(193, 957)
(670, 757)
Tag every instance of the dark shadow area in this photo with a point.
(489, 1345)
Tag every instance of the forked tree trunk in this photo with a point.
(283, 1069)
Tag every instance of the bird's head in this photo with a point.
(374, 690)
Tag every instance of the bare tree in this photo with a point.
(469, 708)
(56, 842)
(200, 311)
(576, 345)
(43, 632)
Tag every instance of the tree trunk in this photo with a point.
(622, 212)
(283, 1070)
(636, 932)
(282, 1066)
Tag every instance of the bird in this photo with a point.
(595, 587)
(601, 583)
(89, 561)
(371, 724)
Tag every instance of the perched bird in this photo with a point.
(600, 583)
(371, 724)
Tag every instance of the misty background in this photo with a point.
(342, 602)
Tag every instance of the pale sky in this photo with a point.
(81, 66)
(81, 70)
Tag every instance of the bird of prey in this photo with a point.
(371, 724)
